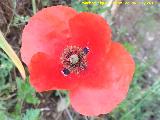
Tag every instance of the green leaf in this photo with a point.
(26, 92)
(3, 116)
(130, 48)
(10, 52)
(104, 9)
(3, 105)
(5, 67)
(31, 99)
(32, 114)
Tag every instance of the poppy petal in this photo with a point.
(93, 102)
(92, 31)
(119, 69)
(46, 31)
(45, 74)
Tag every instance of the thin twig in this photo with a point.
(110, 3)
(10, 22)
(58, 116)
(85, 117)
(8, 97)
(9, 8)
(68, 112)
(115, 8)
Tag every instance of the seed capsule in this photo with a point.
(74, 59)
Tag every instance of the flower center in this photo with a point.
(74, 60)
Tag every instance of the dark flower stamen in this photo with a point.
(74, 59)
(65, 71)
(86, 50)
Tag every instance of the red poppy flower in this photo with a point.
(67, 50)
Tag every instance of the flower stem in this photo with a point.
(34, 6)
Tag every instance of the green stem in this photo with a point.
(34, 6)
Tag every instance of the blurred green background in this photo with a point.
(137, 27)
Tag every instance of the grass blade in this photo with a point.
(10, 52)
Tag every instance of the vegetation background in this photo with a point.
(135, 26)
